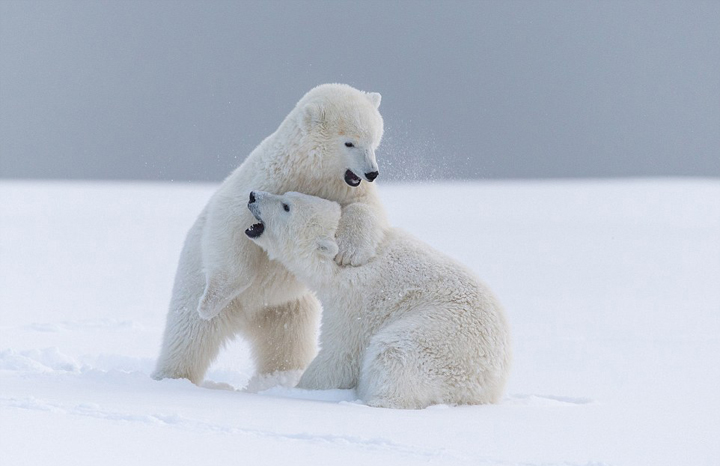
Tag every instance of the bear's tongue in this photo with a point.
(352, 179)
(255, 230)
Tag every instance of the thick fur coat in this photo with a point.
(410, 328)
(225, 285)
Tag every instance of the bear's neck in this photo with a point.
(315, 272)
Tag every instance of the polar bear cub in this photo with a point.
(410, 328)
(225, 285)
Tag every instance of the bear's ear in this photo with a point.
(327, 246)
(374, 98)
(313, 115)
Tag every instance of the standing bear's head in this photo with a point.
(343, 126)
(297, 229)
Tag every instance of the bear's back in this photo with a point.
(407, 265)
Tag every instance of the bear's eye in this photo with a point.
(286, 207)
(349, 144)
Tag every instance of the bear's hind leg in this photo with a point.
(395, 373)
(427, 359)
(283, 340)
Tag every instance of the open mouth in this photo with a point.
(352, 179)
(255, 230)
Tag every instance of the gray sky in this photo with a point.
(185, 90)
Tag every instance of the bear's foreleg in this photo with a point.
(219, 292)
(338, 363)
(329, 370)
(191, 344)
(359, 232)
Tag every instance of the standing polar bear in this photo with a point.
(225, 284)
(410, 328)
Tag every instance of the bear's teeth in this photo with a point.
(255, 230)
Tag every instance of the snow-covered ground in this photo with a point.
(612, 289)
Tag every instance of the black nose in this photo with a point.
(372, 175)
(252, 197)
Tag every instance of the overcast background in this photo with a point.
(174, 90)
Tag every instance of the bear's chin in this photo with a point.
(255, 230)
(352, 179)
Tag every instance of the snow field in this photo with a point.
(611, 289)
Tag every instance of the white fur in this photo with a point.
(410, 328)
(225, 285)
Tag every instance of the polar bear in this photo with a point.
(410, 328)
(225, 285)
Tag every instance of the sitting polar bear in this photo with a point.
(225, 285)
(410, 328)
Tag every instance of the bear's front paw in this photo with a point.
(207, 309)
(354, 256)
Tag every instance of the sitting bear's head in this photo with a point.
(294, 227)
(346, 126)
